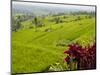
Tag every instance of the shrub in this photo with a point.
(48, 30)
(83, 57)
(30, 27)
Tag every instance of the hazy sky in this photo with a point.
(87, 8)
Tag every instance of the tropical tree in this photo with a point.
(16, 23)
(57, 20)
(35, 22)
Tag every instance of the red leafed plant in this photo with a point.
(84, 56)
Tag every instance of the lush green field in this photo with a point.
(35, 51)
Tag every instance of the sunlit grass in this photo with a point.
(35, 51)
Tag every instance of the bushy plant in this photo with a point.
(83, 57)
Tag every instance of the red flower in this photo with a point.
(67, 59)
(66, 52)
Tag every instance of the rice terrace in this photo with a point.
(52, 37)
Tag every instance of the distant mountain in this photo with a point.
(18, 8)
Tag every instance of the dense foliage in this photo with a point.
(84, 57)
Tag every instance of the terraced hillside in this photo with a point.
(35, 49)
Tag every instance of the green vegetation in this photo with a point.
(40, 42)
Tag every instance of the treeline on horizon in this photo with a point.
(18, 18)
